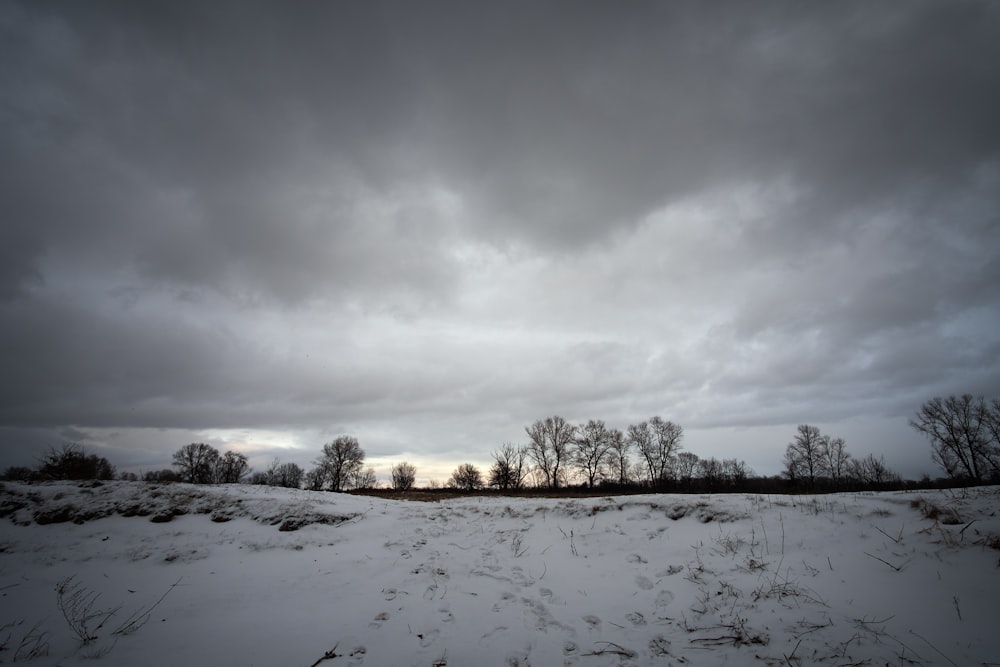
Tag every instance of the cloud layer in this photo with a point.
(430, 224)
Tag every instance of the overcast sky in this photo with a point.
(427, 224)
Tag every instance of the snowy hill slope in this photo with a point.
(241, 575)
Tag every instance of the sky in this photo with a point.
(427, 225)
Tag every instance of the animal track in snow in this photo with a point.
(357, 655)
(635, 618)
(663, 600)
(427, 638)
(643, 582)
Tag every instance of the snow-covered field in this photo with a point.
(243, 575)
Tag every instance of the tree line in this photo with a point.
(964, 433)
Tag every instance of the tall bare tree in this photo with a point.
(835, 459)
(510, 467)
(232, 468)
(804, 456)
(964, 432)
(196, 462)
(287, 475)
(687, 466)
(658, 443)
(550, 447)
(619, 460)
(592, 448)
(871, 471)
(339, 464)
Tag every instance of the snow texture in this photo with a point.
(243, 575)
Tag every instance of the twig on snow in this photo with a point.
(329, 655)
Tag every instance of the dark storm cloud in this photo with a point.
(224, 214)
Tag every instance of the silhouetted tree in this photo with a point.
(404, 475)
(592, 448)
(232, 468)
(466, 477)
(735, 472)
(835, 459)
(619, 460)
(165, 475)
(20, 474)
(72, 461)
(550, 447)
(339, 464)
(964, 434)
(366, 479)
(509, 467)
(804, 456)
(658, 443)
(872, 471)
(196, 463)
(686, 467)
(711, 472)
(286, 475)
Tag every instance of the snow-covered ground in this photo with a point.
(243, 575)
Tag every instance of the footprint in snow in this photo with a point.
(635, 618)
(445, 615)
(593, 621)
(357, 655)
(389, 593)
(379, 619)
(643, 582)
(663, 600)
(427, 638)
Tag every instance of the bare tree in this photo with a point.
(592, 447)
(232, 468)
(835, 459)
(735, 472)
(72, 461)
(871, 471)
(658, 443)
(687, 467)
(964, 435)
(641, 437)
(339, 464)
(366, 479)
(510, 467)
(466, 477)
(619, 460)
(804, 456)
(550, 447)
(711, 471)
(287, 475)
(196, 463)
(404, 476)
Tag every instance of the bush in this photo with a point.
(73, 462)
